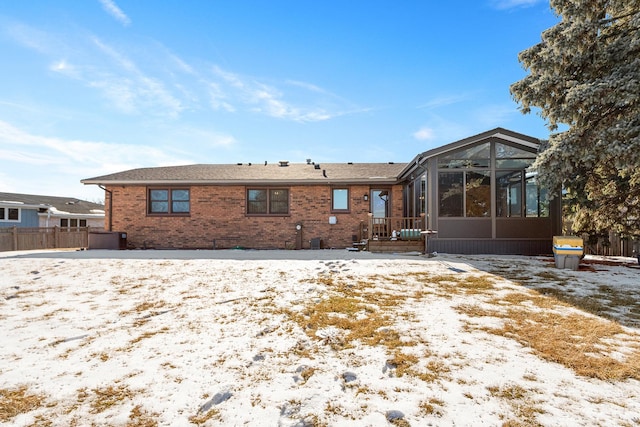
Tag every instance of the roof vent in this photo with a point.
(316, 166)
(284, 163)
(308, 161)
(349, 163)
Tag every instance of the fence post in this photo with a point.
(15, 238)
(56, 237)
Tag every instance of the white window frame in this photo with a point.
(5, 214)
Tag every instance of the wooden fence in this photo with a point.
(25, 239)
(611, 245)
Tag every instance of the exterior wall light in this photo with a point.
(365, 198)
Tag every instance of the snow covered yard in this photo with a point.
(315, 338)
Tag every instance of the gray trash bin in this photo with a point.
(316, 243)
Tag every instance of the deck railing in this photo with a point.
(406, 228)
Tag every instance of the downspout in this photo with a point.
(110, 206)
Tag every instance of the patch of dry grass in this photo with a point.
(106, 397)
(141, 418)
(605, 301)
(201, 418)
(360, 313)
(432, 406)
(16, 401)
(522, 402)
(148, 334)
(590, 346)
(581, 343)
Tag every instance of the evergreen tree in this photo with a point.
(584, 76)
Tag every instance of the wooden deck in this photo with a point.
(395, 246)
(395, 234)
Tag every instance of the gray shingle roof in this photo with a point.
(63, 204)
(247, 173)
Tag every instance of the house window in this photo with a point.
(475, 157)
(10, 214)
(536, 198)
(340, 200)
(518, 194)
(465, 194)
(267, 201)
(451, 193)
(478, 194)
(72, 222)
(169, 201)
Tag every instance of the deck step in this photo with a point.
(388, 246)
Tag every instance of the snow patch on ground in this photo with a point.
(239, 338)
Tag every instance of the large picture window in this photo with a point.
(340, 200)
(267, 201)
(478, 194)
(10, 214)
(169, 201)
(465, 194)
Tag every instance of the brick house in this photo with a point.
(262, 206)
(476, 195)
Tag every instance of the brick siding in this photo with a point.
(218, 214)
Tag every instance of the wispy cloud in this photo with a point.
(442, 101)
(424, 134)
(35, 39)
(439, 130)
(39, 149)
(511, 4)
(157, 82)
(268, 99)
(67, 161)
(130, 89)
(492, 115)
(112, 9)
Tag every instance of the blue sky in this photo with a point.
(99, 86)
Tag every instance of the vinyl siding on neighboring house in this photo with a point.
(28, 218)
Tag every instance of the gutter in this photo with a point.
(260, 182)
(110, 206)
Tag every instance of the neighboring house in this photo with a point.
(474, 194)
(28, 210)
